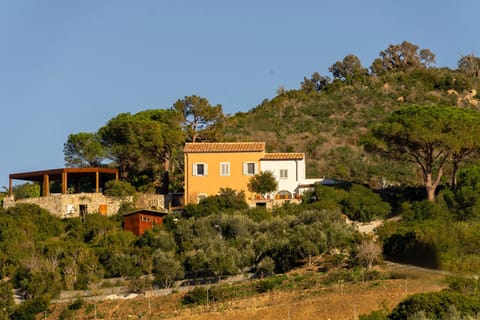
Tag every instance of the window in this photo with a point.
(249, 168)
(224, 168)
(145, 219)
(283, 174)
(200, 169)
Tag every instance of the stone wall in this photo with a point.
(71, 205)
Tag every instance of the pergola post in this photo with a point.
(10, 191)
(97, 181)
(64, 183)
(46, 185)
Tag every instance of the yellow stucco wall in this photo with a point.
(211, 183)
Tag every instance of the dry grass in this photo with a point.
(336, 301)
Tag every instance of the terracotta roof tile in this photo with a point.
(198, 147)
(283, 156)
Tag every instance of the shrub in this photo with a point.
(29, 309)
(421, 210)
(199, 296)
(76, 305)
(375, 315)
(362, 204)
(119, 188)
(227, 199)
(26, 190)
(436, 305)
(270, 284)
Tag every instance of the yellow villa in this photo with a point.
(210, 166)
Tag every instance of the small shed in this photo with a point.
(143, 219)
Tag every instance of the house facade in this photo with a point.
(289, 171)
(212, 166)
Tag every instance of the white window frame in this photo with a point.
(195, 169)
(246, 167)
(225, 169)
(283, 174)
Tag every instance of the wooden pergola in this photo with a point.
(64, 176)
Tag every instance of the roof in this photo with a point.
(200, 147)
(147, 212)
(38, 175)
(283, 156)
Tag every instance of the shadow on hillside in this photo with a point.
(409, 248)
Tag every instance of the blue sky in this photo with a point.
(70, 66)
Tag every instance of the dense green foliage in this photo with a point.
(436, 305)
(226, 200)
(443, 234)
(262, 183)
(114, 188)
(26, 190)
(430, 137)
(84, 149)
(43, 255)
(358, 202)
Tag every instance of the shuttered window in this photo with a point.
(200, 169)
(225, 168)
(250, 168)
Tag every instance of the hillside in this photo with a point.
(304, 297)
(327, 124)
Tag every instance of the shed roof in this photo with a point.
(283, 156)
(147, 212)
(200, 147)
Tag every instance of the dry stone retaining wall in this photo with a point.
(72, 205)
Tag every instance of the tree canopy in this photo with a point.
(428, 136)
(262, 183)
(84, 149)
(348, 69)
(143, 143)
(201, 121)
(404, 56)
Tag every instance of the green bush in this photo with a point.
(119, 188)
(26, 190)
(362, 204)
(199, 296)
(227, 200)
(375, 315)
(270, 283)
(465, 285)
(421, 210)
(30, 308)
(436, 305)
